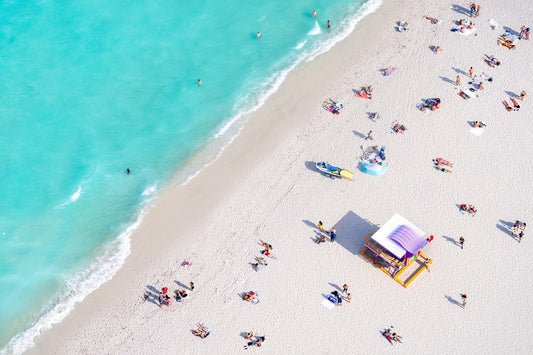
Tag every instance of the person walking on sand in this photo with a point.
(333, 235)
(345, 288)
(461, 242)
(458, 81)
(329, 26)
(464, 296)
(369, 136)
(472, 10)
(471, 72)
(314, 14)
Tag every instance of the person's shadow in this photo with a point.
(359, 134)
(335, 286)
(511, 31)
(512, 94)
(447, 80)
(459, 71)
(451, 240)
(460, 9)
(505, 227)
(453, 301)
(152, 295)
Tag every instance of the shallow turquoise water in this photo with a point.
(92, 88)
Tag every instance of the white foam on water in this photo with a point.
(300, 45)
(316, 30)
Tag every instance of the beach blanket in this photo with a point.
(328, 304)
(477, 130)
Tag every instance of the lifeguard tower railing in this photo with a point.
(380, 253)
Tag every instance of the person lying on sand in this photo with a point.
(507, 107)
(444, 162)
(433, 20)
(396, 337)
(265, 245)
(399, 128)
(365, 92)
(515, 103)
(436, 49)
(249, 335)
(478, 124)
(388, 335)
(320, 239)
(440, 168)
(248, 296)
(491, 61)
(202, 331)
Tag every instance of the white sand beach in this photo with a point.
(265, 187)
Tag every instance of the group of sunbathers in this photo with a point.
(365, 92)
(440, 165)
(165, 299)
(463, 25)
(250, 335)
(506, 42)
(432, 104)
(399, 128)
(491, 61)
(390, 335)
(469, 209)
(261, 262)
(508, 107)
(334, 107)
(249, 296)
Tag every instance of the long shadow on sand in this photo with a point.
(505, 227)
(451, 240)
(459, 71)
(511, 31)
(152, 295)
(460, 9)
(447, 80)
(453, 301)
(512, 94)
(351, 231)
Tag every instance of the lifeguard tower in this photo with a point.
(396, 247)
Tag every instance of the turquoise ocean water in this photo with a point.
(90, 88)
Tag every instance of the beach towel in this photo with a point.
(477, 130)
(254, 301)
(466, 32)
(328, 304)
(464, 95)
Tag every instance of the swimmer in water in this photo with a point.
(200, 82)
(258, 35)
(329, 26)
(314, 14)
(128, 171)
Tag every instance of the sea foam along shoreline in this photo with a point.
(115, 253)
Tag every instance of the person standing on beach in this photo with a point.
(333, 235)
(458, 81)
(314, 14)
(329, 26)
(345, 288)
(465, 298)
(522, 95)
(477, 10)
(192, 286)
(320, 226)
(461, 242)
(369, 136)
(349, 297)
(471, 72)
(520, 236)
